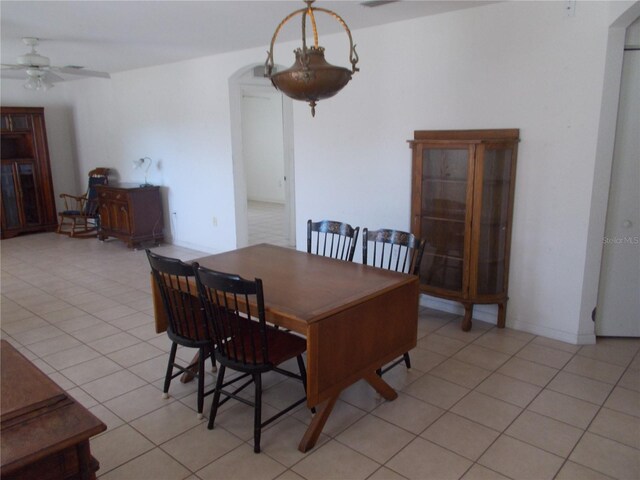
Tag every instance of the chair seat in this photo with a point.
(282, 346)
(71, 212)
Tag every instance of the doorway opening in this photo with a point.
(262, 142)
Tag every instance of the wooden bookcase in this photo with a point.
(462, 204)
(28, 202)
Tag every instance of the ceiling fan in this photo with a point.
(40, 73)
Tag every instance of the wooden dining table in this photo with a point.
(355, 317)
(44, 431)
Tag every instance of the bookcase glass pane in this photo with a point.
(9, 198)
(20, 122)
(445, 163)
(26, 176)
(444, 182)
(441, 272)
(494, 220)
(443, 254)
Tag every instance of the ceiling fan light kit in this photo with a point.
(37, 80)
(311, 78)
(40, 72)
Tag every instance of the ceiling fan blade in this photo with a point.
(13, 67)
(52, 77)
(81, 72)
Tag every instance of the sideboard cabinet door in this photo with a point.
(131, 213)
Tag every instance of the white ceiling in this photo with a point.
(114, 36)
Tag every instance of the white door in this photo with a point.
(618, 310)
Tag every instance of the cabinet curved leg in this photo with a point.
(502, 314)
(468, 314)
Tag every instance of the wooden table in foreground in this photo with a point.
(44, 431)
(355, 318)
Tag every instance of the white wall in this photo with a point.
(507, 65)
(178, 115)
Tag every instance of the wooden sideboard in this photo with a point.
(44, 431)
(131, 213)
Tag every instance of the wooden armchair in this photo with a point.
(80, 215)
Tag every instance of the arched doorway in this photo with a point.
(263, 167)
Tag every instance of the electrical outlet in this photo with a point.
(214, 221)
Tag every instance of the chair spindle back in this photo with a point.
(185, 317)
(97, 176)
(332, 239)
(230, 303)
(392, 250)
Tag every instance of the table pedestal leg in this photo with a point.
(192, 372)
(317, 424)
(382, 387)
(324, 410)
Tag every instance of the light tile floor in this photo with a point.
(482, 404)
(267, 223)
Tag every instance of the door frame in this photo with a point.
(602, 174)
(244, 78)
(612, 244)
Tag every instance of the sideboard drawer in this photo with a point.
(113, 196)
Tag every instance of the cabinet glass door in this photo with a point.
(5, 123)
(494, 219)
(20, 122)
(29, 193)
(10, 212)
(442, 222)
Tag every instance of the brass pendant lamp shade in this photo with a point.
(311, 77)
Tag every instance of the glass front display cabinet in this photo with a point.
(462, 204)
(27, 202)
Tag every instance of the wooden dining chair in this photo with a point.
(245, 343)
(186, 322)
(393, 250)
(332, 239)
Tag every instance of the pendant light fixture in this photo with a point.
(311, 78)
